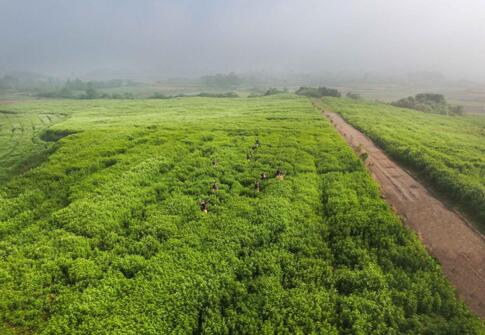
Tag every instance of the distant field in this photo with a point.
(108, 235)
(471, 96)
(447, 151)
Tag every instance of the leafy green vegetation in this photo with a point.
(446, 151)
(110, 234)
(20, 145)
(429, 102)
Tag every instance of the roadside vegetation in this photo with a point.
(448, 152)
(210, 216)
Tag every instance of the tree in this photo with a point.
(91, 93)
(354, 96)
(318, 92)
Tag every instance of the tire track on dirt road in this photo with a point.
(448, 237)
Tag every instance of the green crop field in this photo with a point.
(20, 146)
(449, 152)
(107, 235)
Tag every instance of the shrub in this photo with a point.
(429, 103)
(353, 96)
(318, 92)
(274, 91)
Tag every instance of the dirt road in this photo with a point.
(459, 248)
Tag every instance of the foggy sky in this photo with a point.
(190, 37)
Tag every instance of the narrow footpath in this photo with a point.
(459, 248)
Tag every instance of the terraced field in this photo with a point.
(210, 216)
(20, 146)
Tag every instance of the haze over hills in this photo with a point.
(191, 38)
